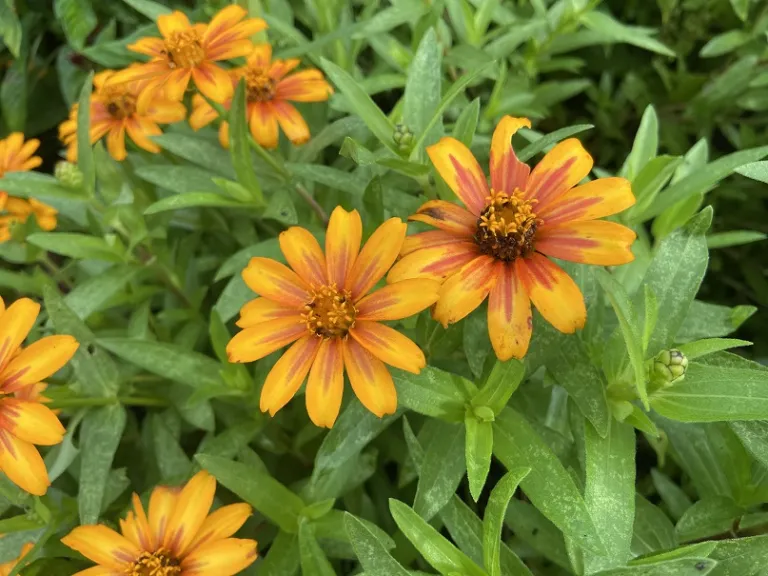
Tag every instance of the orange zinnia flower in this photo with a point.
(269, 90)
(177, 538)
(321, 303)
(119, 109)
(498, 245)
(8, 567)
(189, 51)
(18, 156)
(24, 420)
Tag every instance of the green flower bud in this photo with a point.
(668, 368)
(403, 137)
(68, 174)
(484, 413)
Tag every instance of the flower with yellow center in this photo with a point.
(117, 110)
(321, 306)
(8, 567)
(18, 156)
(497, 244)
(24, 419)
(177, 537)
(188, 51)
(270, 89)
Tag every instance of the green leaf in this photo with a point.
(258, 489)
(615, 31)
(740, 557)
(442, 469)
(652, 530)
(707, 518)
(77, 19)
(432, 392)
(36, 185)
(549, 486)
(724, 43)
(10, 27)
(466, 123)
(734, 238)
(148, 8)
(372, 554)
(313, 560)
(238, 145)
(707, 320)
(180, 179)
(193, 200)
(541, 143)
(93, 294)
(436, 550)
(236, 263)
(647, 184)
(754, 436)
(493, 520)
(610, 492)
(80, 246)
(283, 557)
(678, 567)
(673, 496)
(502, 382)
(85, 159)
(709, 346)
(332, 177)
(422, 90)
(199, 151)
(741, 7)
(100, 435)
(755, 170)
(477, 452)
(646, 144)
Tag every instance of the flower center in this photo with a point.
(184, 49)
(507, 226)
(260, 86)
(330, 312)
(120, 104)
(159, 563)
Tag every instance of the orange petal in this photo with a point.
(261, 56)
(23, 465)
(553, 292)
(263, 124)
(291, 121)
(507, 172)
(139, 129)
(597, 242)
(280, 68)
(222, 523)
(261, 310)
(222, 558)
(509, 315)
(154, 47)
(166, 111)
(595, 199)
(446, 216)
(304, 86)
(224, 135)
(170, 23)
(376, 257)
(116, 142)
(175, 83)
(262, 339)
(145, 539)
(436, 263)
(102, 546)
(212, 81)
(223, 21)
(561, 169)
(276, 281)
(202, 113)
(31, 422)
(192, 507)
(38, 361)
(325, 386)
(304, 255)
(389, 346)
(228, 50)
(458, 167)
(162, 503)
(15, 324)
(370, 379)
(465, 290)
(288, 374)
(399, 300)
(427, 239)
(342, 243)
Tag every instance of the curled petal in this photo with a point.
(507, 172)
(447, 216)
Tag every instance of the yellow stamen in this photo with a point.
(507, 226)
(120, 103)
(159, 563)
(330, 312)
(184, 49)
(260, 86)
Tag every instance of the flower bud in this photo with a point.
(668, 368)
(68, 174)
(403, 137)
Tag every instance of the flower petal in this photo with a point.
(399, 300)
(15, 324)
(376, 257)
(103, 546)
(458, 167)
(275, 281)
(261, 56)
(260, 310)
(304, 255)
(325, 386)
(223, 558)
(389, 346)
(291, 121)
(23, 465)
(561, 169)
(436, 263)
(116, 142)
(342, 243)
(162, 503)
(175, 83)
(597, 242)
(139, 130)
(222, 524)
(145, 537)
(38, 361)
(595, 199)
(202, 113)
(262, 339)
(190, 512)
(553, 292)
(223, 21)
(31, 422)
(370, 379)
(174, 22)
(280, 68)
(149, 46)
(263, 124)
(288, 374)
(212, 81)
(507, 172)
(509, 314)
(428, 239)
(465, 290)
(305, 86)
(166, 111)
(446, 216)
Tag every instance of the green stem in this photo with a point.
(312, 203)
(269, 159)
(108, 401)
(54, 270)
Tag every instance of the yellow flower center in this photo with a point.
(159, 563)
(260, 86)
(330, 312)
(507, 226)
(184, 49)
(120, 103)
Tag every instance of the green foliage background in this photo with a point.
(144, 271)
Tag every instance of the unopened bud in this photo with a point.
(403, 137)
(668, 368)
(68, 174)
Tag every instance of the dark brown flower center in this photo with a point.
(184, 49)
(159, 563)
(330, 312)
(120, 104)
(507, 227)
(260, 86)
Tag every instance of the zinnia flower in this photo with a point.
(17, 156)
(177, 538)
(129, 108)
(269, 90)
(190, 51)
(322, 306)
(8, 567)
(24, 419)
(498, 244)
